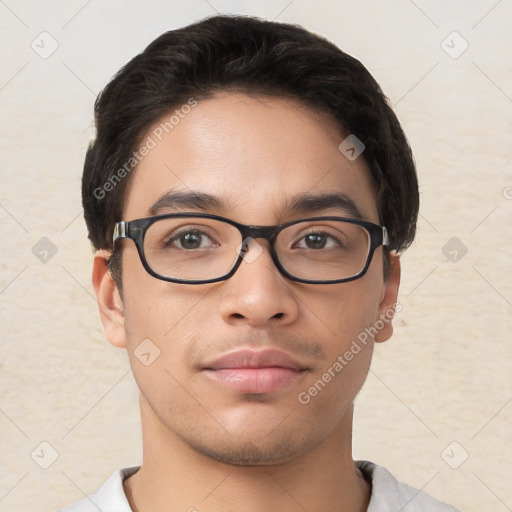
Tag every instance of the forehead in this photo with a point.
(256, 154)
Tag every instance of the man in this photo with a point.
(248, 193)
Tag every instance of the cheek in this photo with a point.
(161, 319)
(348, 314)
(153, 307)
(159, 332)
(328, 394)
(346, 309)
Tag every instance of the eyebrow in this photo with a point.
(303, 203)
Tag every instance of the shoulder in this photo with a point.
(109, 497)
(389, 495)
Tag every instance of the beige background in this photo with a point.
(443, 378)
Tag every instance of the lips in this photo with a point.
(249, 371)
(255, 359)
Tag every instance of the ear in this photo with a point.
(388, 303)
(109, 301)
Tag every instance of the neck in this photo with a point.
(174, 476)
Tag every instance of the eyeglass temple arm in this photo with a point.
(119, 231)
(385, 237)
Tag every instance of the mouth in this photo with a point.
(249, 371)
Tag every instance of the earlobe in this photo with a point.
(388, 301)
(109, 301)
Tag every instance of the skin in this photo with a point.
(205, 445)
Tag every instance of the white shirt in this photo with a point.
(388, 495)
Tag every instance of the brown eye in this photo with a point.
(191, 239)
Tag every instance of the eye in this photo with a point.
(188, 239)
(318, 240)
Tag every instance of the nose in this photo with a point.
(257, 294)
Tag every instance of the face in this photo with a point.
(255, 155)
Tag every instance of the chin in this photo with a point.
(247, 453)
(252, 443)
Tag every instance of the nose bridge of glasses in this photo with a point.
(265, 232)
(250, 234)
(253, 232)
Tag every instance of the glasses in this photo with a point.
(199, 248)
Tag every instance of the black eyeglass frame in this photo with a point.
(136, 230)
